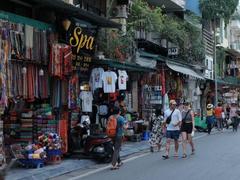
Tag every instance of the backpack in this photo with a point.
(111, 129)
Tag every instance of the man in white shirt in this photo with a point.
(173, 127)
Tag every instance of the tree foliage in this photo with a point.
(142, 15)
(218, 8)
(151, 19)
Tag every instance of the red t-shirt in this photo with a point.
(218, 112)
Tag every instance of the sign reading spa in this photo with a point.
(82, 41)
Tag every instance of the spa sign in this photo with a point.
(82, 41)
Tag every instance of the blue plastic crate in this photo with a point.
(54, 152)
(31, 163)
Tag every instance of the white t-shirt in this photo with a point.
(87, 98)
(109, 81)
(176, 117)
(95, 79)
(122, 80)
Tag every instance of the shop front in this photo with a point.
(45, 83)
(183, 84)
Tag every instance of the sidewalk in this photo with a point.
(69, 165)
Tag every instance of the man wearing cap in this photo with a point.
(173, 119)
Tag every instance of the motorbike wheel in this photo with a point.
(109, 152)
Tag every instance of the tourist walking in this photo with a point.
(187, 128)
(172, 119)
(210, 119)
(156, 134)
(218, 114)
(117, 140)
(234, 116)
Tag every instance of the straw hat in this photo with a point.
(209, 106)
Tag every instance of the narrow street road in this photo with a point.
(217, 157)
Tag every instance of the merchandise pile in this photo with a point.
(34, 155)
(51, 141)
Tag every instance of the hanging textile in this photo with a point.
(60, 60)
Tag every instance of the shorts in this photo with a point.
(187, 127)
(173, 134)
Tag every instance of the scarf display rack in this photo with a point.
(24, 78)
(29, 123)
(28, 81)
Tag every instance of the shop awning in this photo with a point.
(183, 69)
(70, 10)
(234, 81)
(123, 65)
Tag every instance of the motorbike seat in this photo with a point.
(98, 136)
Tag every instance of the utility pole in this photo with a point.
(215, 63)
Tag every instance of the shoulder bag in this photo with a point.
(169, 118)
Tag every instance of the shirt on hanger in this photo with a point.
(85, 118)
(95, 79)
(109, 80)
(87, 98)
(103, 110)
(122, 80)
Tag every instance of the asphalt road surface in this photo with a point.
(217, 158)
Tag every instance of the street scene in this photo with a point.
(119, 89)
(212, 156)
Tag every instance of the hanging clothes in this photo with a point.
(60, 60)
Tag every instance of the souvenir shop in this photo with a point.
(152, 90)
(50, 82)
(28, 115)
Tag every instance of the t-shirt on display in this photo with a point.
(109, 81)
(87, 98)
(122, 79)
(95, 79)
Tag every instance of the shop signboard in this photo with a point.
(82, 40)
(173, 51)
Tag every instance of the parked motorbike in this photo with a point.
(96, 146)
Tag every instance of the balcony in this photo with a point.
(151, 37)
(235, 24)
(169, 5)
(235, 46)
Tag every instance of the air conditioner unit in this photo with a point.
(218, 39)
(123, 2)
(68, 1)
(233, 46)
(119, 12)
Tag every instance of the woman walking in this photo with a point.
(187, 128)
(156, 130)
(210, 119)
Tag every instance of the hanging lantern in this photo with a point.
(24, 70)
(66, 24)
(41, 72)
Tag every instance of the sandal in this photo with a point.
(120, 164)
(165, 157)
(193, 152)
(175, 155)
(184, 156)
(151, 149)
(114, 168)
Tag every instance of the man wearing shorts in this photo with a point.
(173, 128)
